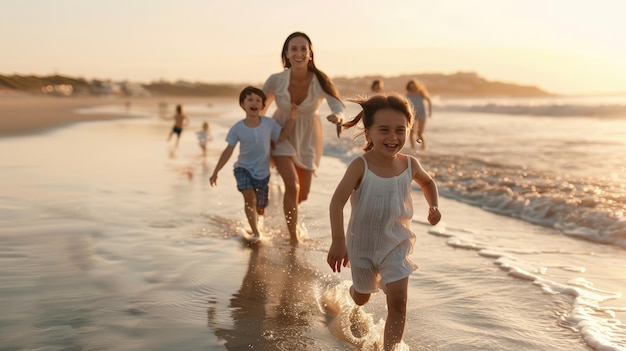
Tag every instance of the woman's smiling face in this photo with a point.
(298, 52)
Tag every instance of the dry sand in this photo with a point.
(26, 114)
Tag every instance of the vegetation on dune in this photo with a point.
(33, 84)
(193, 89)
(460, 84)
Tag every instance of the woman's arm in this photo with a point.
(291, 121)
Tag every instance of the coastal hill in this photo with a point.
(460, 84)
(457, 85)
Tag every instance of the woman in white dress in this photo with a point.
(419, 98)
(298, 157)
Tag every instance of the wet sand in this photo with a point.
(28, 114)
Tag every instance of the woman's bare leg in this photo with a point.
(305, 177)
(413, 136)
(287, 170)
(421, 124)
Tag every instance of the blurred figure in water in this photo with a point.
(204, 136)
(180, 121)
(419, 97)
(377, 87)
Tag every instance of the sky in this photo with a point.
(562, 46)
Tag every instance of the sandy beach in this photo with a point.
(25, 114)
(112, 241)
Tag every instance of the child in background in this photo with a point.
(180, 121)
(379, 239)
(252, 169)
(204, 136)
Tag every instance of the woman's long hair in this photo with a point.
(325, 82)
(419, 86)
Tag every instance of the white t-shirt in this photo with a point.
(255, 145)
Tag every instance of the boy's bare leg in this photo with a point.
(249, 198)
(396, 312)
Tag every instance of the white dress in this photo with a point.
(379, 238)
(417, 100)
(305, 143)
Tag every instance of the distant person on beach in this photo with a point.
(204, 136)
(419, 97)
(303, 84)
(252, 170)
(180, 121)
(377, 87)
(379, 239)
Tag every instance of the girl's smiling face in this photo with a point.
(389, 131)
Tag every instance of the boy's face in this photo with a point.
(252, 104)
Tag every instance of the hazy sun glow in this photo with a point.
(563, 46)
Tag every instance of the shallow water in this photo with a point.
(112, 241)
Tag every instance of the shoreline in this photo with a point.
(29, 114)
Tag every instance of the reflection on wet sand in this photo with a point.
(278, 291)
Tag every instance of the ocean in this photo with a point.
(112, 240)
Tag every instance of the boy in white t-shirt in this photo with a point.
(255, 134)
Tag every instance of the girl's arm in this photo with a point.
(338, 253)
(429, 188)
